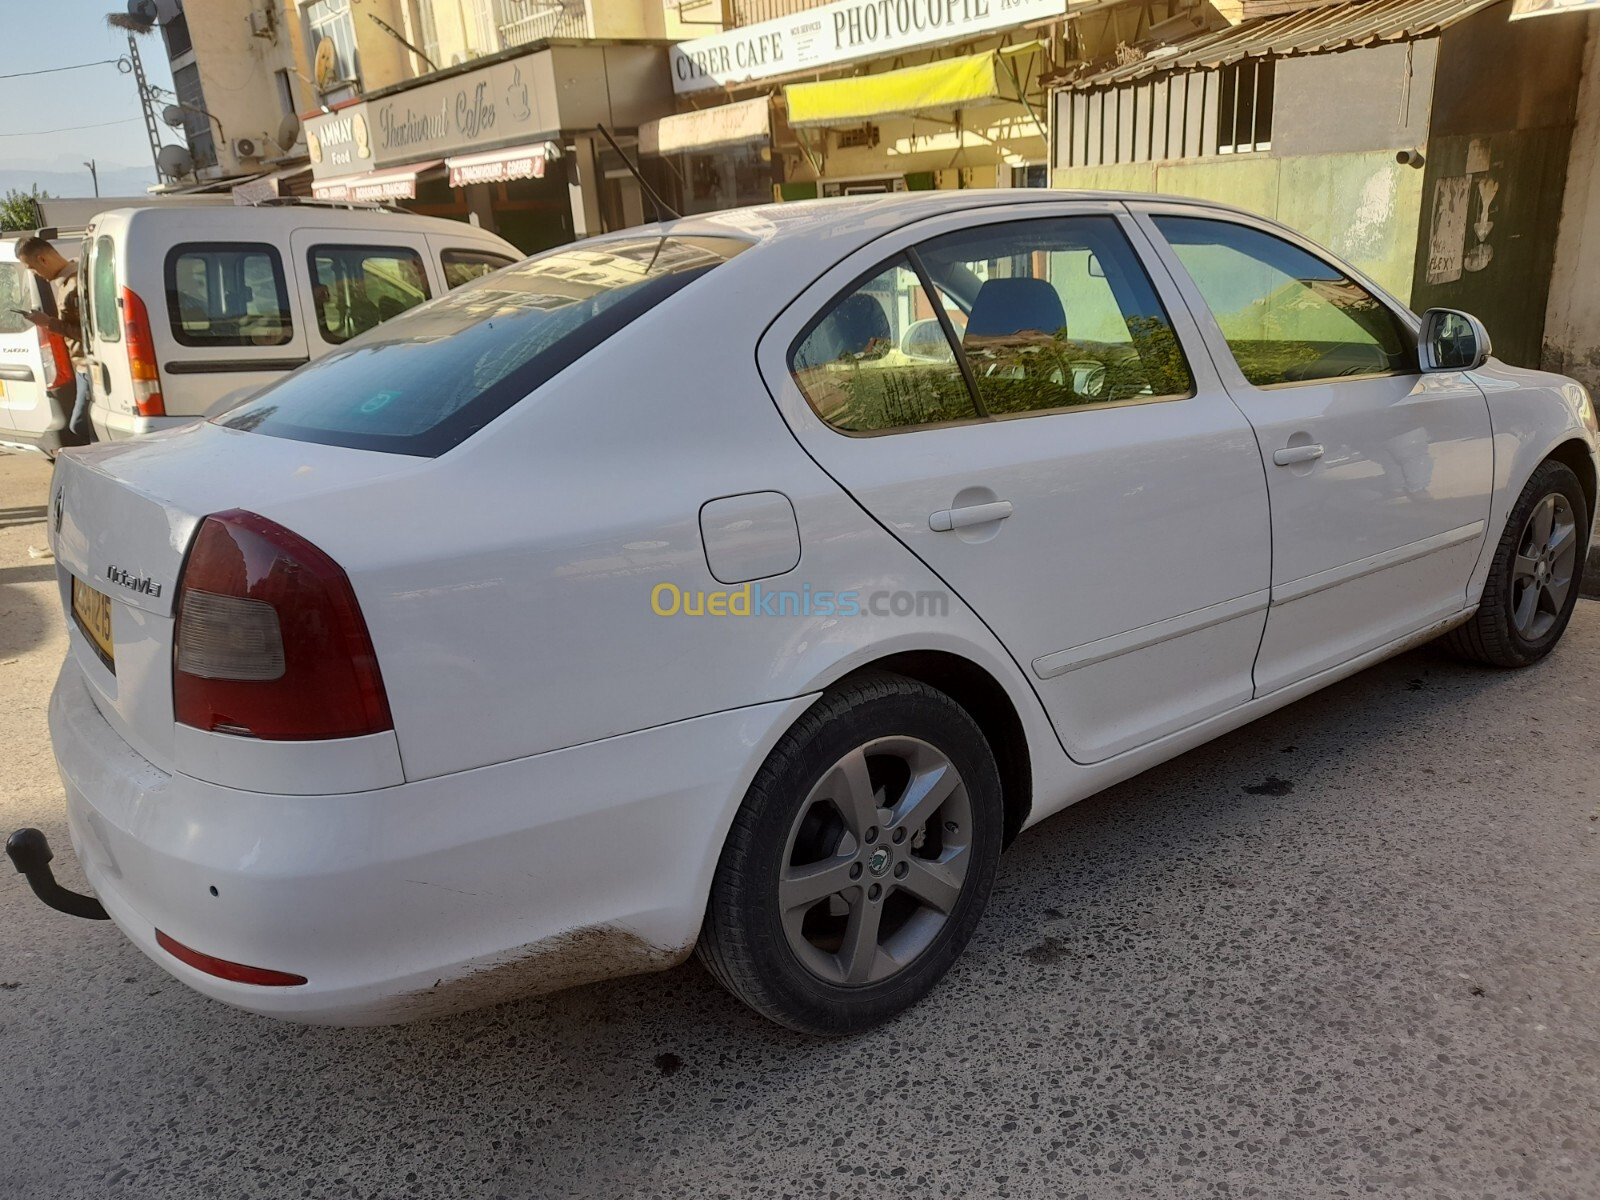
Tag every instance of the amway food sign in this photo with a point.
(841, 32)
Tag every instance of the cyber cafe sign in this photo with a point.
(841, 32)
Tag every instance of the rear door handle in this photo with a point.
(1290, 455)
(947, 519)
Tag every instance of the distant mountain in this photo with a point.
(114, 181)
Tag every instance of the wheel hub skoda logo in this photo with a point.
(879, 862)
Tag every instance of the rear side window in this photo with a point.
(103, 311)
(428, 379)
(357, 287)
(227, 294)
(16, 291)
(463, 266)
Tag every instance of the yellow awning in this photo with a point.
(950, 83)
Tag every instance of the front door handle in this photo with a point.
(947, 519)
(1290, 455)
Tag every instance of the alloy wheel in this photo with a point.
(1541, 575)
(875, 861)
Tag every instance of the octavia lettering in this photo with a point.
(142, 584)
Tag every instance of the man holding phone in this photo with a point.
(45, 261)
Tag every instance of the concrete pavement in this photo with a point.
(1350, 950)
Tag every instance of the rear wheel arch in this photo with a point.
(987, 703)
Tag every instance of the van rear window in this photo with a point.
(430, 378)
(16, 291)
(227, 294)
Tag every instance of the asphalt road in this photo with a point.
(1353, 949)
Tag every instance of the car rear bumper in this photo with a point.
(429, 897)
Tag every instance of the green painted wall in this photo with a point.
(1362, 206)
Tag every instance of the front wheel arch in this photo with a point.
(1575, 455)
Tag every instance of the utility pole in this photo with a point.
(94, 175)
(147, 103)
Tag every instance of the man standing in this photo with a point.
(45, 261)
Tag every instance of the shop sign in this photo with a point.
(1544, 8)
(487, 107)
(843, 31)
(519, 162)
(339, 143)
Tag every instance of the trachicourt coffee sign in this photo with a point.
(495, 106)
(842, 32)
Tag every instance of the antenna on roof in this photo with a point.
(661, 205)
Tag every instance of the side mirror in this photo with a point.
(1452, 341)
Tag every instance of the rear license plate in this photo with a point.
(92, 611)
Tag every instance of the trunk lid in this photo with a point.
(122, 517)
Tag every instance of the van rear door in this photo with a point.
(19, 345)
(110, 382)
(224, 321)
(37, 385)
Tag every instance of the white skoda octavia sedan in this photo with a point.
(746, 582)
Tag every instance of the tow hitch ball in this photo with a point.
(29, 852)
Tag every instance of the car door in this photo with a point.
(1380, 476)
(352, 280)
(1059, 457)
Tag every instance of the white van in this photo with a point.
(37, 385)
(188, 310)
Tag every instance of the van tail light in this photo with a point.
(142, 356)
(57, 359)
(270, 642)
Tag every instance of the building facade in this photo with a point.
(1426, 141)
(802, 99)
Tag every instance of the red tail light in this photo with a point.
(270, 642)
(57, 361)
(142, 357)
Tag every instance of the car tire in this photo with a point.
(1535, 577)
(887, 788)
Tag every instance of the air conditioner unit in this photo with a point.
(246, 147)
(264, 23)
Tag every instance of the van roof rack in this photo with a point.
(312, 202)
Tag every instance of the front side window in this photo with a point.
(1059, 314)
(425, 381)
(1287, 316)
(877, 359)
(357, 287)
(103, 309)
(463, 266)
(227, 294)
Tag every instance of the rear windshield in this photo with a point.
(16, 291)
(425, 381)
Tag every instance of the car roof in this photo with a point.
(799, 218)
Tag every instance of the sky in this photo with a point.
(55, 33)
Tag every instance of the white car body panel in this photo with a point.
(565, 763)
(1381, 530)
(1190, 535)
